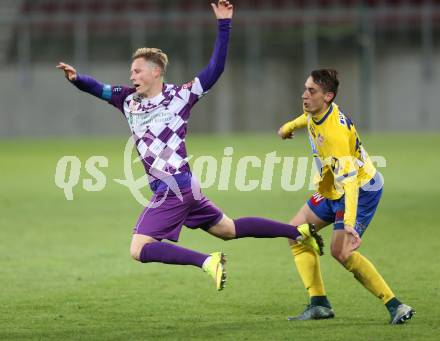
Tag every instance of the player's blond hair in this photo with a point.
(154, 55)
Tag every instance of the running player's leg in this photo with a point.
(146, 249)
(205, 215)
(224, 229)
(363, 270)
(164, 221)
(228, 229)
(256, 227)
(308, 266)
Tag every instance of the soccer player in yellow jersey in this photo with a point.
(349, 189)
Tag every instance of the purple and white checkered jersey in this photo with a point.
(159, 125)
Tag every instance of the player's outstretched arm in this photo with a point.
(223, 11)
(69, 71)
(287, 129)
(85, 83)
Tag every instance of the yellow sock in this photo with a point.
(309, 269)
(365, 272)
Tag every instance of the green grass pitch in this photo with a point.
(66, 274)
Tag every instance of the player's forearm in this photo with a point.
(351, 191)
(299, 122)
(211, 73)
(92, 86)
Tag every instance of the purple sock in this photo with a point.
(171, 254)
(263, 228)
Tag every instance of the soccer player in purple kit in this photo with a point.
(157, 114)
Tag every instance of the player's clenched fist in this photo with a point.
(286, 131)
(69, 71)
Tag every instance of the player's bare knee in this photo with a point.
(336, 252)
(135, 252)
(137, 244)
(339, 257)
(228, 234)
(224, 230)
(339, 254)
(298, 219)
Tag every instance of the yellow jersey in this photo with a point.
(342, 162)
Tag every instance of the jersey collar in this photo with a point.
(156, 100)
(322, 117)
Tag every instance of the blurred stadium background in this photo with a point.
(387, 52)
(65, 270)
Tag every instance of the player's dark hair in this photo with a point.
(327, 79)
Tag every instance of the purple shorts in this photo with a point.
(164, 216)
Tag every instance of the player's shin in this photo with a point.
(309, 268)
(264, 228)
(365, 272)
(161, 252)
